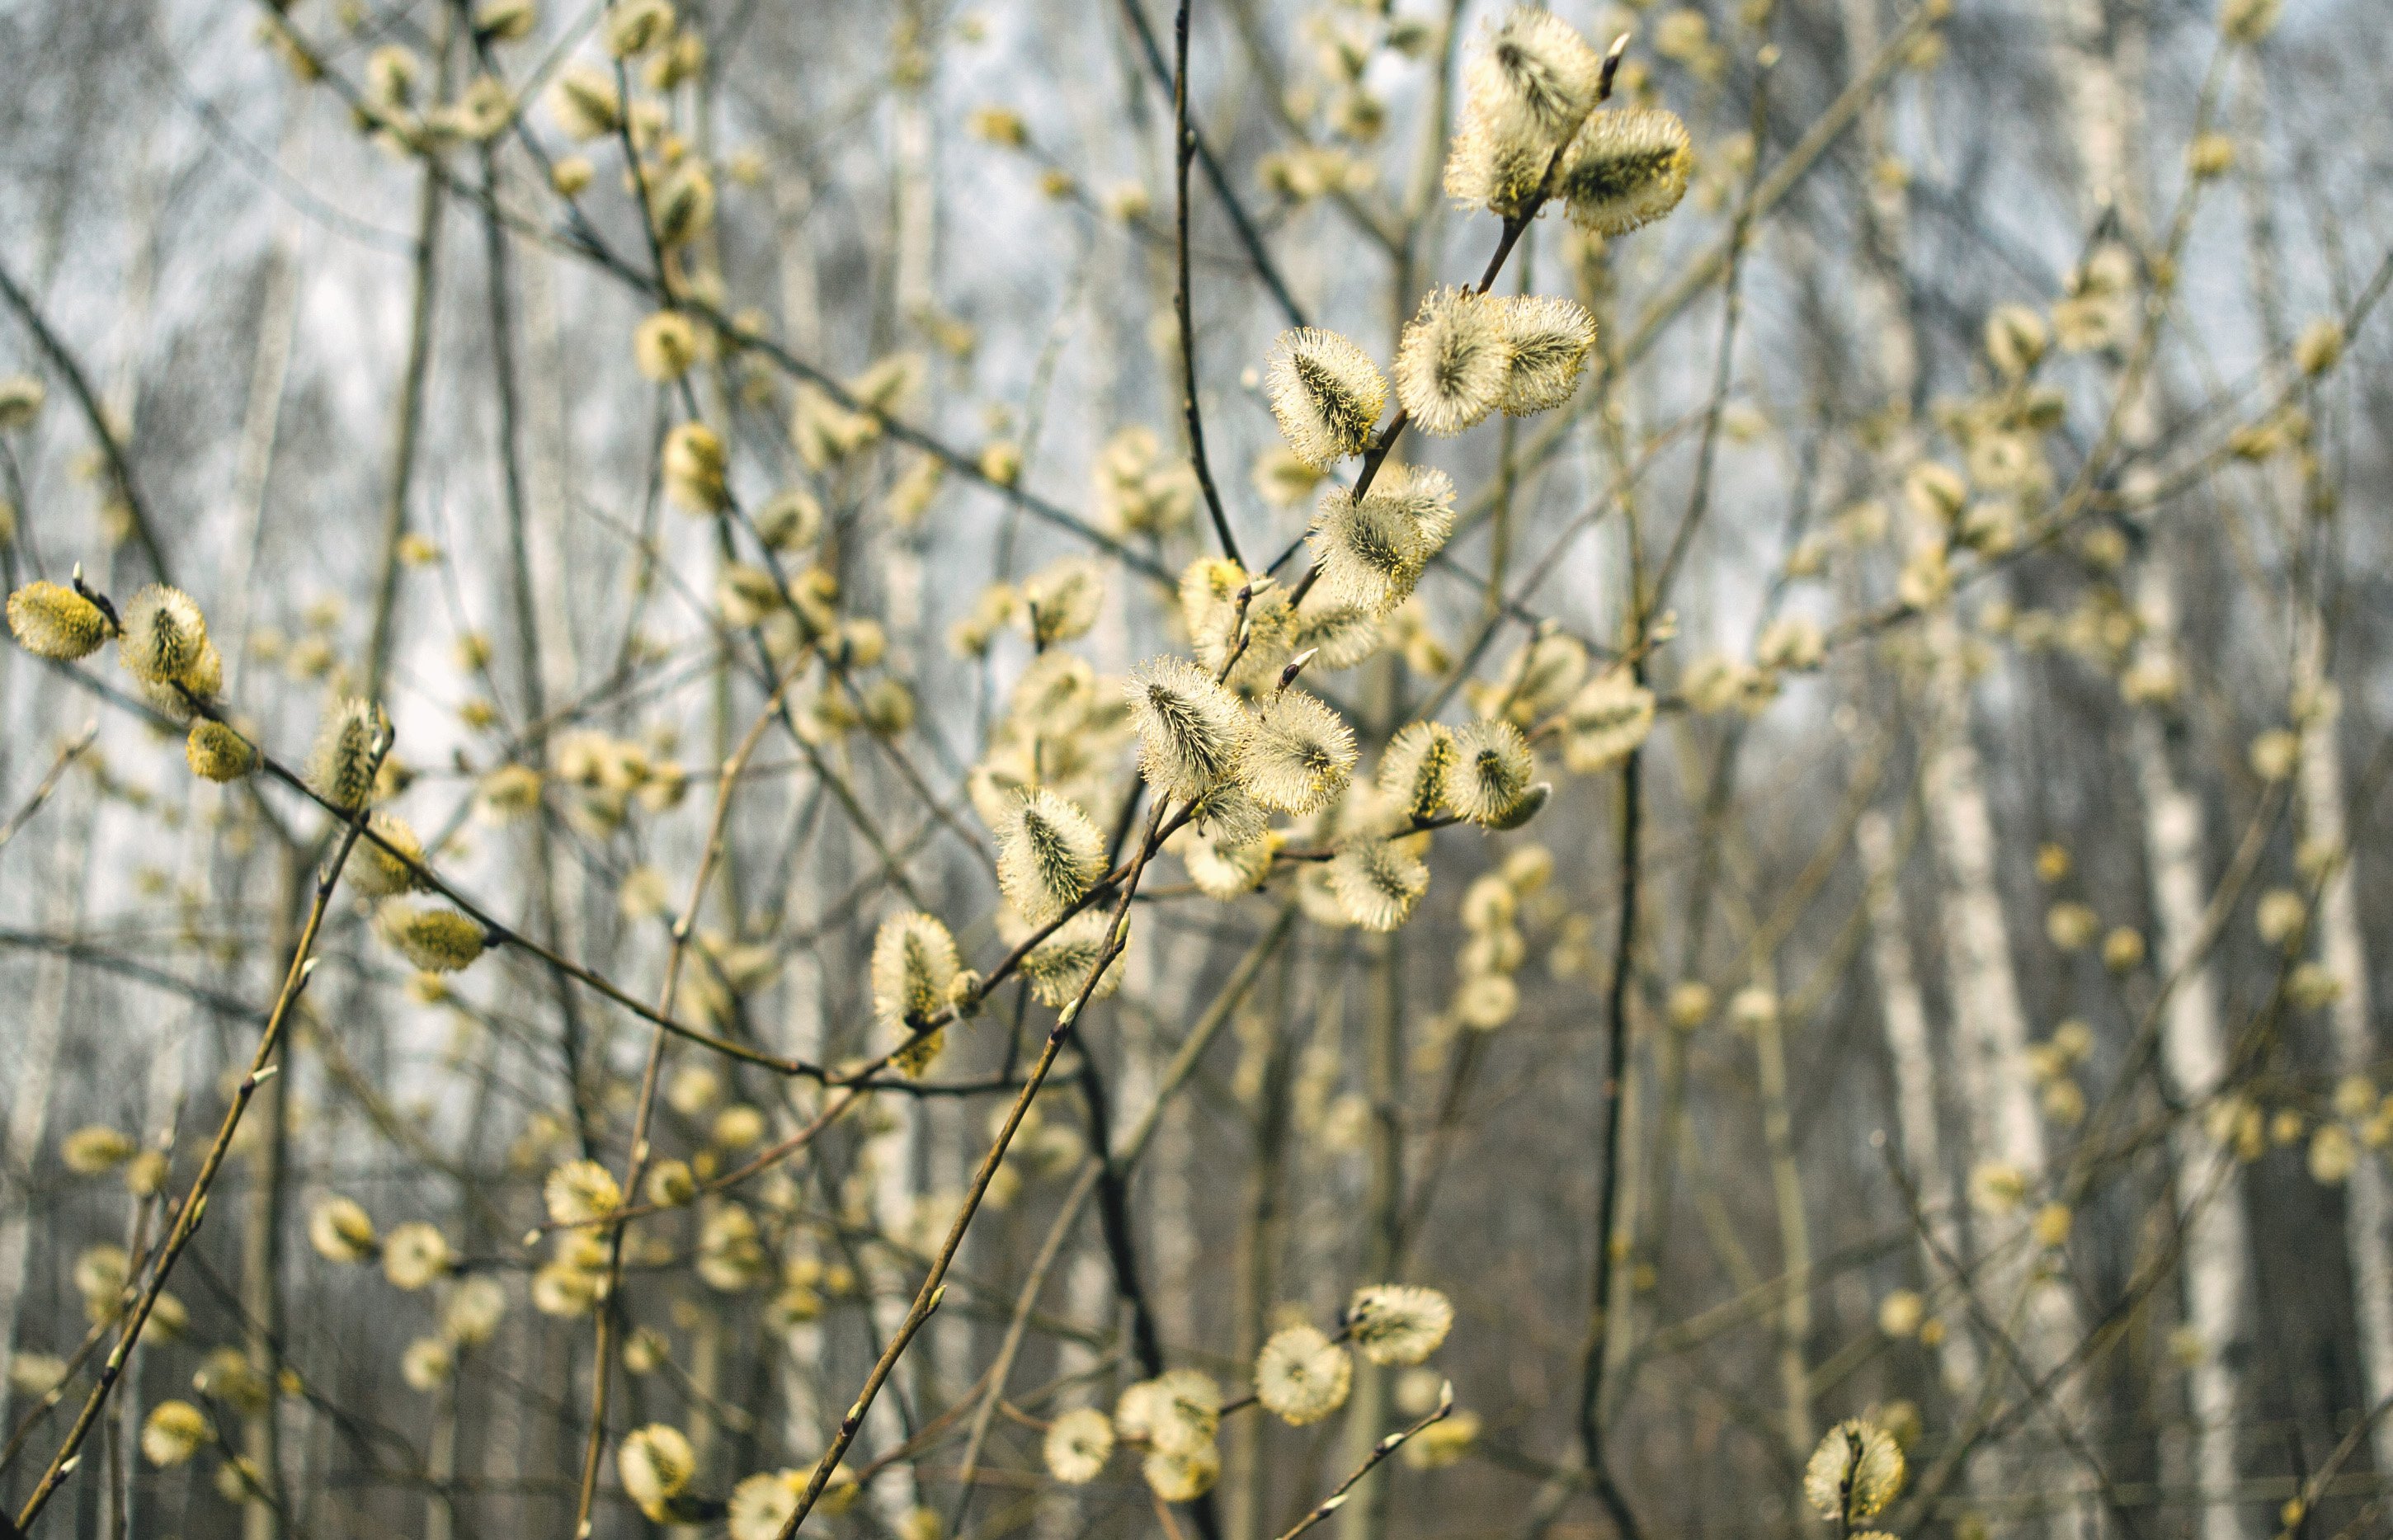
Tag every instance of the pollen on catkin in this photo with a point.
(1078, 1444)
(217, 753)
(1398, 1323)
(1327, 394)
(1300, 755)
(762, 1503)
(1209, 606)
(437, 939)
(1223, 869)
(164, 638)
(380, 873)
(1628, 166)
(53, 620)
(1495, 164)
(664, 346)
(1191, 730)
(1372, 552)
(1855, 1473)
(1417, 770)
(1060, 603)
(1178, 1412)
(1533, 69)
(913, 962)
(1059, 967)
(1301, 1377)
(1454, 362)
(1378, 882)
(580, 1191)
(584, 102)
(1548, 339)
(694, 467)
(1048, 855)
(1494, 770)
(655, 1463)
(1609, 718)
(340, 765)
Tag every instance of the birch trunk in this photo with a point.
(2194, 1052)
(2368, 1193)
(2101, 76)
(1989, 1026)
(1908, 1047)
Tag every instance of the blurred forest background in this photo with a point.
(1939, 990)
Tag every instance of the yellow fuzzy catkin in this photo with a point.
(215, 752)
(1299, 756)
(1609, 719)
(1535, 70)
(173, 1432)
(1326, 393)
(1527, 87)
(1417, 770)
(1373, 551)
(913, 966)
(166, 638)
(341, 1231)
(1191, 730)
(580, 1191)
(1454, 361)
(436, 939)
(340, 765)
(1546, 340)
(1078, 1444)
(1048, 855)
(1378, 882)
(656, 1464)
(1854, 1473)
(1494, 770)
(1627, 167)
(380, 873)
(1302, 1376)
(584, 102)
(1059, 968)
(1223, 869)
(1060, 603)
(636, 26)
(53, 620)
(664, 346)
(1398, 1323)
(694, 467)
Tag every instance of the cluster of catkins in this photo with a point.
(162, 640)
(1227, 743)
(1302, 1376)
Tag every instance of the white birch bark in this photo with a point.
(2194, 1053)
(2368, 1193)
(1915, 1074)
(2101, 78)
(1989, 1038)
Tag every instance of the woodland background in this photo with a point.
(2029, 921)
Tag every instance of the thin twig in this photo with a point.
(194, 1205)
(67, 754)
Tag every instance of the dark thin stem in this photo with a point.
(195, 1202)
(1616, 1065)
(95, 415)
(1193, 143)
(1183, 150)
